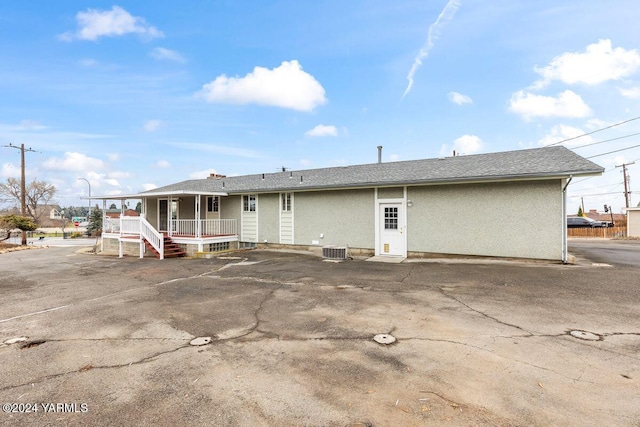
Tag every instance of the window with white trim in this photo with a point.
(213, 204)
(286, 202)
(249, 203)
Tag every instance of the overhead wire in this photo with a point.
(607, 140)
(595, 131)
(614, 151)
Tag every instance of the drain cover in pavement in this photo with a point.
(584, 335)
(384, 339)
(200, 341)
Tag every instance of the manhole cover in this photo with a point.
(200, 341)
(584, 335)
(384, 339)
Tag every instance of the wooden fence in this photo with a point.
(603, 232)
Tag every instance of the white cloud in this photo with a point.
(598, 63)
(212, 148)
(632, 92)
(148, 186)
(458, 98)
(118, 174)
(443, 19)
(286, 86)
(113, 157)
(562, 132)
(152, 125)
(72, 161)
(322, 130)
(201, 174)
(466, 144)
(161, 53)
(394, 157)
(109, 23)
(10, 171)
(162, 164)
(567, 104)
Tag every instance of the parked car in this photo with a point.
(581, 221)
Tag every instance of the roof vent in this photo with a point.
(379, 153)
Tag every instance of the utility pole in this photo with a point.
(626, 179)
(23, 191)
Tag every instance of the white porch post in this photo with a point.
(104, 214)
(170, 216)
(198, 220)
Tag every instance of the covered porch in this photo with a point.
(185, 221)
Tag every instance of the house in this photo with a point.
(394, 209)
(633, 222)
(606, 216)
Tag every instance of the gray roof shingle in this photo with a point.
(534, 163)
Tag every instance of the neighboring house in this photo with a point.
(606, 217)
(633, 222)
(396, 209)
(55, 212)
(115, 213)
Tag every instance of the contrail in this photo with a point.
(434, 32)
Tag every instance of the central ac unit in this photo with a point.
(334, 252)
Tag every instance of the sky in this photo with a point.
(134, 95)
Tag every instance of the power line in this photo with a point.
(614, 151)
(595, 131)
(607, 140)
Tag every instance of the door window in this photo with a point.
(390, 218)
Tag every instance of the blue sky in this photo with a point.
(132, 95)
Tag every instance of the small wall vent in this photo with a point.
(334, 252)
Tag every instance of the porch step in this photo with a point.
(171, 249)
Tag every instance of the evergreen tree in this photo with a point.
(580, 213)
(95, 221)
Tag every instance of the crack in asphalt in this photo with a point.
(86, 368)
(511, 325)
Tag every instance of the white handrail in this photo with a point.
(153, 236)
(208, 227)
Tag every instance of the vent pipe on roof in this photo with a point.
(379, 153)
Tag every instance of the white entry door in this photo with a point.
(391, 230)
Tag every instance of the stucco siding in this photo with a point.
(268, 218)
(391, 193)
(502, 219)
(344, 217)
(152, 211)
(230, 208)
(186, 207)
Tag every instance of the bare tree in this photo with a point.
(37, 193)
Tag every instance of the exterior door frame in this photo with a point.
(169, 213)
(401, 204)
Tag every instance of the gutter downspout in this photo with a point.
(565, 249)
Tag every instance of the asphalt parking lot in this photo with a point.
(107, 342)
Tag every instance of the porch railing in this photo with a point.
(203, 228)
(152, 236)
(134, 225)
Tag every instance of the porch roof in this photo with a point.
(154, 193)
